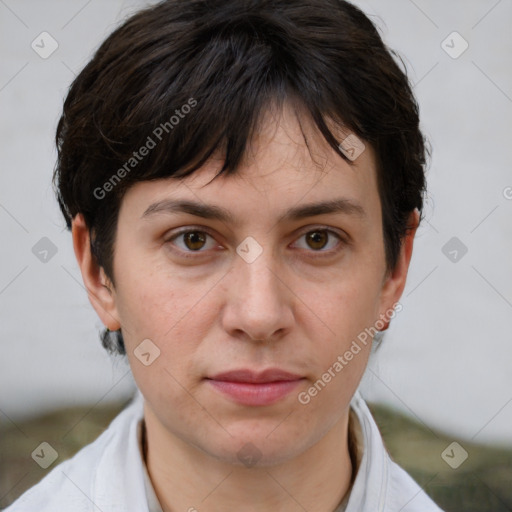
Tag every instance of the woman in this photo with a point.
(243, 182)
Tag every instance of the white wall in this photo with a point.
(446, 359)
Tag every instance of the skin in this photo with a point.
(294, 307)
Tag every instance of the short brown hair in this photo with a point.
(232, 58)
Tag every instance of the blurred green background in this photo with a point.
(482, 483)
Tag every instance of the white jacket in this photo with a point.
(109, 474)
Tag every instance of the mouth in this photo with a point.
(248, 387)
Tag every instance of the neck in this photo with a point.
(186, 478)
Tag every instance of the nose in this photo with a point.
(259, 304)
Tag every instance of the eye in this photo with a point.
(319, 239)
(194, 240)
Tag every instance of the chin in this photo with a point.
(252, 451)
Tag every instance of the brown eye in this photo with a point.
(194, 240)
(317, 239)
(323, 241)
(190, 241)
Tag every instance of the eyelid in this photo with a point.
(319, 227)
(187, 229)
(343, 238)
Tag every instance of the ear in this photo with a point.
(99, 288)
(394, 281)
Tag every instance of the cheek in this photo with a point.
(171, 311)
(151, 301)
(339, 327)
(345, 306)
(175, 323)
(340, 357)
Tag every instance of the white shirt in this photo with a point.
(109, 474)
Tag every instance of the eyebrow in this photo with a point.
(209, 211)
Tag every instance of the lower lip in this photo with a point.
(246, 393)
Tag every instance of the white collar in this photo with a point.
(380, 484)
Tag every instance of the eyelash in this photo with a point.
(197, 229)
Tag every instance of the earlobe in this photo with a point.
(99, 288)
(394, 283)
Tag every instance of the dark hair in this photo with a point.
(189, 78)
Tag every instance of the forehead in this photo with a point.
(287, 163)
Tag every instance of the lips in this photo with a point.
(252, 388)
(249, 376)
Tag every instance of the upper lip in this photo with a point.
(246, 375)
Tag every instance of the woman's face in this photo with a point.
(271, 284)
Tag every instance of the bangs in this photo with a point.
(190, 95)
